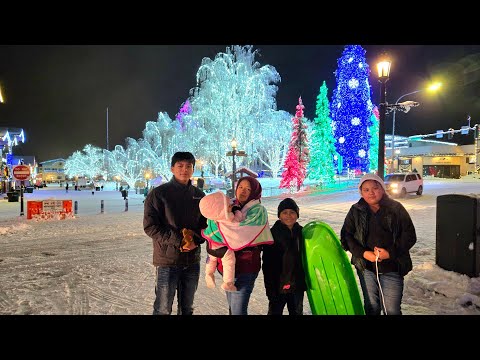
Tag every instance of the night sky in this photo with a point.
(59, 94)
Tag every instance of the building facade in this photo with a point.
(52, 170)
(431, 157)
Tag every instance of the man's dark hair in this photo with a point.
(183, 156)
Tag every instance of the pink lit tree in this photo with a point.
(298, 157)
(185, 109)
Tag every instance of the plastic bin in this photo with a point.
(13, 196)
(457, 234)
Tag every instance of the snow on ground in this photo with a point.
(100, 263)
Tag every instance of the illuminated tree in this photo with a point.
(373, 132)
(351, 108)
(322, 142)
(128, 162)
(233, 95)
(158, 135)
(298, 154)
(89, 162)
(272, 154)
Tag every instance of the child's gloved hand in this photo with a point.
(187, 242)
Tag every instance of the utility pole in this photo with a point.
(107, 131)
(477, 148)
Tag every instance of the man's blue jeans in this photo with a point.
(180, 279)
(392, 288)
(238, 300)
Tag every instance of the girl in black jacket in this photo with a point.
(379, 234)
(282, 263)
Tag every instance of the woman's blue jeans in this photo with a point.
(180, 279)
(238, 300)
(391, 285)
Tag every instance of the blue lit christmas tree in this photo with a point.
(351, 109)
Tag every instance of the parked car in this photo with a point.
(399, 184)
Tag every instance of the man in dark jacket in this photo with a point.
(171, 217)
(379, 233)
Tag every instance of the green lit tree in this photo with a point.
(373, 133)
(322, 142)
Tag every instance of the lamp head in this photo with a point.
(234, 144)
(383, 68)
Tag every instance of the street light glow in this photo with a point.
(431, 88)
(434, 86)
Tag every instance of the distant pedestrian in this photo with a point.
(200, 181)
(66, 187)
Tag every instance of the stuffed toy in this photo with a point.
(187, 241)
(235, 230)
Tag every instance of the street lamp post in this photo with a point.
(393, 124)
(398, 160)
(147, 177)
(383, 68)
(233, 154)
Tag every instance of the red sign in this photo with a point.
(49, 209)
(21, 172)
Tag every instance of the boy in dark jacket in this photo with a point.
(171, 217)
(283, 272)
